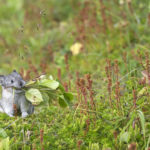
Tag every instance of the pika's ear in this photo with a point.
(2, 79)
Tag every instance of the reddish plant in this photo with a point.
(109, 20)
(77, 85)
(140, 59)
(148, 65)
(109, 80)
(21, 72)
(51, 53)
(25, 76)
(132, 146)
(83, 90)
(43, 66)
(81, 86)
(117, 87)
(65, 84)
(86, 21)
(125, 60)
(59, 74)
(79, 142)
(89, 87)
(41, 138)
(130, 6)
(142, 81)
(79, 97)
(66, 62)
(103, 14)
(148, 19)
(115, 133)
(134, 98)
(87, 126)
(32, 67)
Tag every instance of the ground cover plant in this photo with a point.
(98, 53)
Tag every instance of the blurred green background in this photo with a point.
(39, 32)
(31, 32)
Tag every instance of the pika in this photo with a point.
(12, 94)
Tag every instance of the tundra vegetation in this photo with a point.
(98, 52)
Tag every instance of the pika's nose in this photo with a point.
(22, 83)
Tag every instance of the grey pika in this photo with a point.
(11, 96)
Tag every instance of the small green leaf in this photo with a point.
(51, 77)
(34, 96)
(142, 91)
(68, 96)
(142, 120)
(3, 134)
(4, 144)
(125, 137)
(62, 101)
(49, 83)
(42, 77)
(45, 96)
(61, 88)
(30, 83)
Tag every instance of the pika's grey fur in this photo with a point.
(11, 97)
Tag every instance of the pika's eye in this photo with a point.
(12, 81)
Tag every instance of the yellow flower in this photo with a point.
(76, 48)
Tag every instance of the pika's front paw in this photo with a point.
(24, 114)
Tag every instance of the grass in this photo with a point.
(107, 111)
